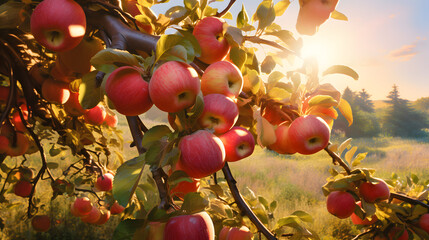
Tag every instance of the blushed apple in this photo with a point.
(55, 91)
(105, 182)
(184, 187)
(372, 193)
(239, 143)
(41, 223)
(424, 222)
(116, 208)
(197, 226)
(111, 120)
(104, 216)
(359, 221)
(222, 77)
(95, 115)
(82, 206)
(242, 233)
(283, 144)
(340, 204)
(22, 188)
(220, 113)
(314, 13)
(93, 216)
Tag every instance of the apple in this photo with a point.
(372, 193)
(156, 230)
(93, 216)
(82, 206)
(394, 234)
(283, 144)
(309, 134)
(202, 154)
(41, 223)
(128, 91)
(4, 93)
(238, 142)
(17, 121)
(95, 115)
(78, 59)
(312, 14)
(22, 188)
(242, 233)
(130, 6)
(222, 77)
(274, 114)
(61, 73)
(15, 148)
(424, 222)
(105, 216)
(105, 182)
(184, 187)
(209, 33)
(116, 208)
(341, 204)
(73, 107)
(224, 232)
(220, 113)
(55, 91)
(174, 86)
(197, 226)
(58, 25)
(111, 120)
(359, 221)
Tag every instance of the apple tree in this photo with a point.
(68, 67)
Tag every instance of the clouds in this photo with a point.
(406, 52)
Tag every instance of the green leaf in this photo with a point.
(242, 18)
(265, 14)
(268, 64)
(126, 229)
(52, 165)
(359, 158)
(288, 221)
(263, 201)
(89, 94)
(273, 206)
(194, 202)
(341, 69)
(255, 81)
(274, 78)
(339, 16)
(110, 56)
(281, 7)
(191, 38)
(127, 178)
(238, 56)
(177, 14)
(304, 216)
(178, 176)
(165, 43)
(154, 134)
(278, 93)
(414, 178)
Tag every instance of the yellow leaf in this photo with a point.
(346, 110)
(278, 93)
(339, 16)
(323, 100)
(264, 129)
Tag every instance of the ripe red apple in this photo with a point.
(105, 182)
(274, 114)
(238, 142)
(15, 148)
(314, 13)
(424, 222)
(184, 187)
(128, 91)
(340, 204)
(41, 223)
(116, 208)
(374, 192)
(95, 115)
(174, 86)
(22, 188)
(73, 107)
(395, 231)
(202, 154)
(4, 93)
(220, 113)
(93, 216)
(359, 221)
(224, 232)
(55, 91)
(58, 25)
(82, 206)
(17, 121)
(309, 134)
(209, 33)
(283, 144)
(222, 77)
(242, 233)
(105, 216)
(197, 226)
(111, 120)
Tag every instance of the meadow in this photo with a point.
(294, 181)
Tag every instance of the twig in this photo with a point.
(259, 40)
(89, 191)
(363, 234)
(408, 199)
(221, 14)
(337, 159)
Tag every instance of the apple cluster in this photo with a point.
(88, 212)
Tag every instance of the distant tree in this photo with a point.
(422, 104)
(364, 102)
(401, 119)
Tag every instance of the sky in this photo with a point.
(385, 41)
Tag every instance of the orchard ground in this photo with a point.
(294, 181)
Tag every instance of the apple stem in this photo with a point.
(242, 205)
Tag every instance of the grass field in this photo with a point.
(294, 181)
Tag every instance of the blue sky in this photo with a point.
(385, 41)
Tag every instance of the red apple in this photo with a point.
(55, 91)
(73, 107)
(22, 188)
(224, 232)
(359, 221)
(309, 134)
(222, 77)
(238, 142)
(128, 91)
(174, 86)
(184, 187)
(15, 148)
(58, 25)
(197, 226)
(209, 33)
(340, 204)
(4, 144)
(95, 115)
(283, 144)
(4, 93)
(61, 73)
(82, 206)
(394, 234)
(41, 223)
(105, 182)
(105, 216)
(93, 216)
(274, 114)
(111, 120)
(116, 208)
(314, 13)
(17, 121)
(372, 193)
(220, 113)
(424, 222)
(202, 154)
(242, 233)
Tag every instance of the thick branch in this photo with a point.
(408, 199)
(242, 205)
(337, 159)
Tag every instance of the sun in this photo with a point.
(323, 48)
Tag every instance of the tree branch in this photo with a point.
(221, 14)
(259, 40)
(408, 199)
(337, 160)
